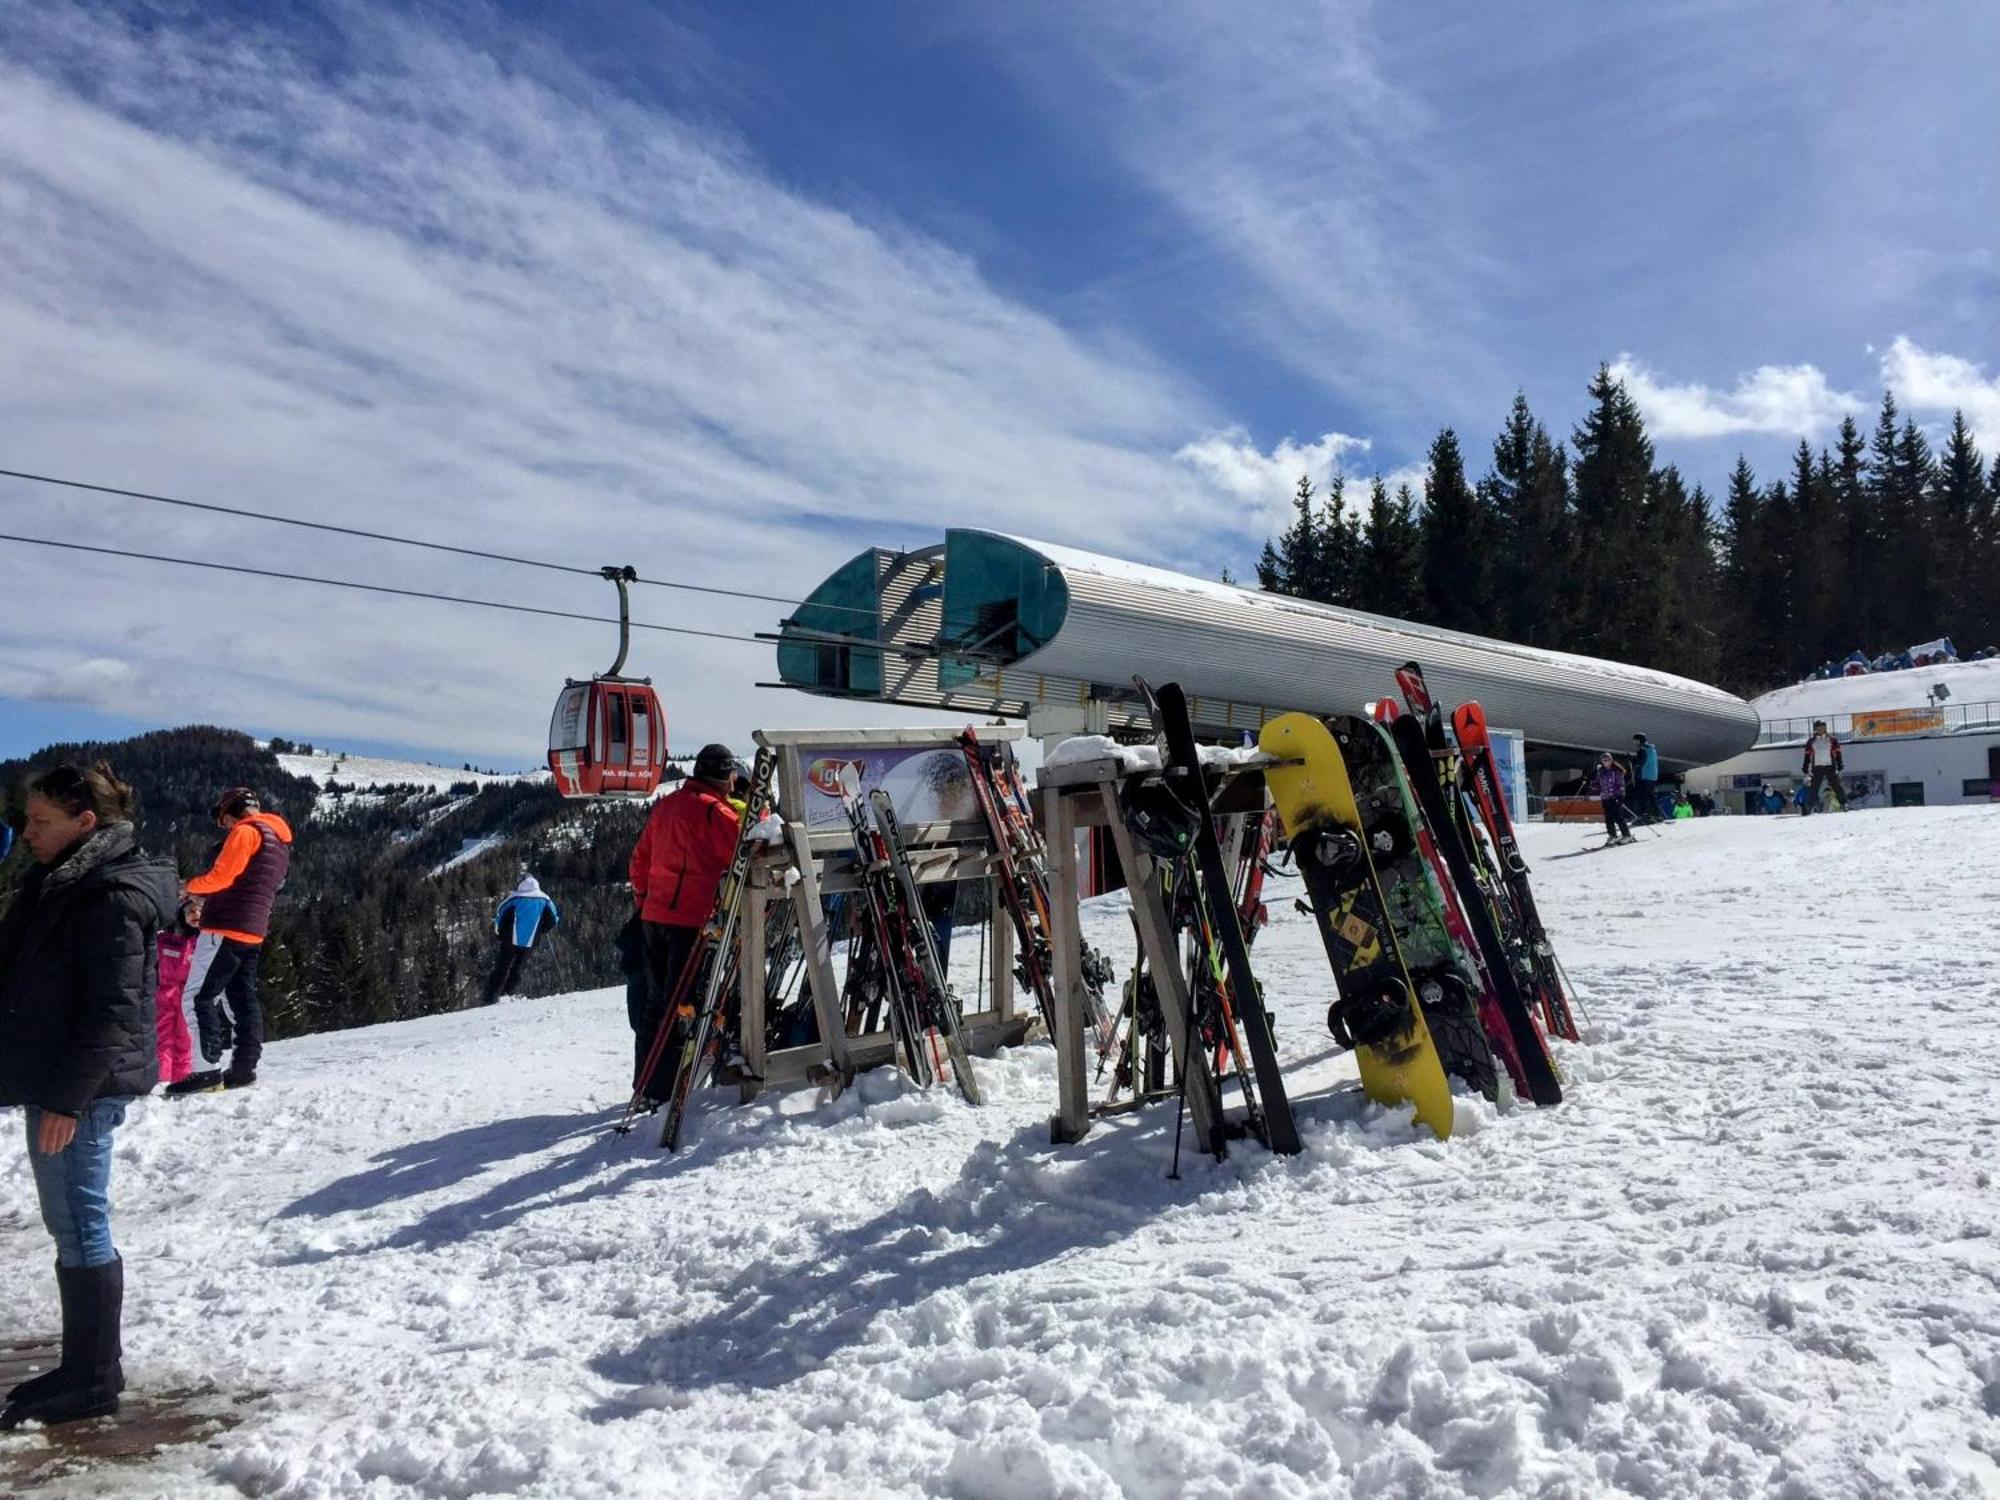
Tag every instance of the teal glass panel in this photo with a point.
(1002, 601)
(845, 605)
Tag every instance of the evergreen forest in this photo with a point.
(1591, 545)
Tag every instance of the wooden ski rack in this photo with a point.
(815, 860)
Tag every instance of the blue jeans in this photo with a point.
(75, 1185)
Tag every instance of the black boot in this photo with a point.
(92, 1371)
(48, 1380)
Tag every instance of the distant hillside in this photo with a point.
(397, 869)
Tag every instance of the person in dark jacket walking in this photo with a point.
(77, 971)
(235, 895)
(519, 924)
(680, 859)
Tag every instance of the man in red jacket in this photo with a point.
(680, 859)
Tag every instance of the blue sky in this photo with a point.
(731, 292)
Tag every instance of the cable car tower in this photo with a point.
(608, 735)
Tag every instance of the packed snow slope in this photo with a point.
(1754, 1252)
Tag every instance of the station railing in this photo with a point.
(1945, 718)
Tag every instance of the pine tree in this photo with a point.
(1752, 586)
(1389, 578)
(1859, 613)
(1270, 575)
(1815, 628)
(1686, 641)
(1618, 571)
(1965, 538)
(1339, 548)
(1527, 494)
(1456, 534)
(1299, 568)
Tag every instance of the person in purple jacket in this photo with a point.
(1608, 786)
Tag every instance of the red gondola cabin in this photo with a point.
(607, 738)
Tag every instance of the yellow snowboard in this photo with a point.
(1398, 1063)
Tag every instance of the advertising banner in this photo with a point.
(1897, 721)
(927, 783)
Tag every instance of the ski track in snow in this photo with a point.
(1752, 1254)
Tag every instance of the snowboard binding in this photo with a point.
(1372, 1016)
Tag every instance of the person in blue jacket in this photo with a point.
(1645, 779)
(519, 924)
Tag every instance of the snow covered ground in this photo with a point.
(1754, 1253)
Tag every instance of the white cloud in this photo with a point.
(1788, 400)
(1942, 384)
(1264, 482)
(437, 295)
(99, 681)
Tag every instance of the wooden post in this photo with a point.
(1072, 1121)
(1169, 980)
(817, 943)
(1000, 951)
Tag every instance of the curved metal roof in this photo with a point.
(1024, 622)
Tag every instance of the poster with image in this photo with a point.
(927, 783)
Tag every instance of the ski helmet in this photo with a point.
(237, 802)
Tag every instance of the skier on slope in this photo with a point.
(1821, 766)
(1646, 778)
(1608, 786)
(519, 924)
(235, 896)
(680, 859)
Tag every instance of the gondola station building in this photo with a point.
(1920, 737)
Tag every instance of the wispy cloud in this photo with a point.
(468, 301)
(1302, 170)
(1787, 400)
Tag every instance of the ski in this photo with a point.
(879, 914)
(940, 1003)
(1184, 774)
(1024, 891)
(1544, 1086)
(1468, 722)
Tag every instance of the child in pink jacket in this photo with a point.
(176, 957)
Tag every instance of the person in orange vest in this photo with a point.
(235, 895)
(680, 859)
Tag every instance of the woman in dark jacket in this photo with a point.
(77, 1044)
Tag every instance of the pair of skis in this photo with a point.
(924, 1011)
(1420, 741)
(1488, 834)
(1021, 869)
(1218, 925)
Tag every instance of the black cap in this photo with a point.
(1640, 738)
(715, 763)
